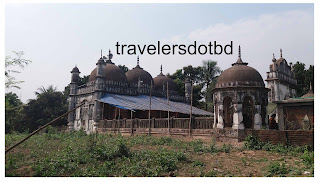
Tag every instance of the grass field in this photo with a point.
(77, 154)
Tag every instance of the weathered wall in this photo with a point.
(200, 127)
(294, 115)
(293, 137)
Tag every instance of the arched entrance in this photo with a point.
(215, 112)
(248, 112)
(227, 112)
(263, 112)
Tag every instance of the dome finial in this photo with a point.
(274, 58)
(161, 74)
(239, 61)
(101, 53)
(281, 53)
(138, 61)
(110, 55)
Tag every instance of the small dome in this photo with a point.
(113, 72)
(161, 80)
(138, 72)
(75, 70)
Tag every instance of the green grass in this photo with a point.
(55, 153)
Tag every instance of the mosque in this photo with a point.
(111, 93)
(241, 99)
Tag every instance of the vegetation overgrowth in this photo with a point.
(56, 153)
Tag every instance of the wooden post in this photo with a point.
(114, 125)
(131, 127)
(102, 111)
(168, 108)
(119, 122)
(42, 127)
(149, 131)
(191, 108)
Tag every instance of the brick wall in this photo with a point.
(294, 115)
(293, 137)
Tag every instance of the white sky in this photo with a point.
(58, 36)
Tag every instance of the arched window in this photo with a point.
(227, 112)
(248, 112)
(263, 111)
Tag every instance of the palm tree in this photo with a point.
(44, 91)
(210, 72)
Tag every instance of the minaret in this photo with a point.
(99, 89)
(75, 78)
(100, 75)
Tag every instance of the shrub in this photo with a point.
(226, 148)
(197, 163)
(308, 159)
(252, 142)
(277, 169)
(197, 146)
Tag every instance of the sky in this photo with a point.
(56, 37)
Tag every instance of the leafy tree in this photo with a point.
(194, 74)
(304, 78)
(209, 73)
(13, 113)
(45, 91)
(310, 77)
(123, 67)
(10, 64)
(83, 80)
(203, 77)
(48, 105)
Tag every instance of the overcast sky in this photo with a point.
(58, 36)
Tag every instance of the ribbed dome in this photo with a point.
(161, 80)
(113, 72)
(240, 75)
(136, 73)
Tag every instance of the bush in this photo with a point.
(226, 148)
(277, 169)
(252, 142)
(197, 146)
(308, 159)
(197, 163)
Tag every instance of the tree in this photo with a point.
(304, 78)
(209, 73)
(83, 80)
(123, 67)
(48, 105)
(45, 91)
(13, 113)
(10, 63)
(194, 74)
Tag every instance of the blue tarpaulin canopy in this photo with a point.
(142, 102)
